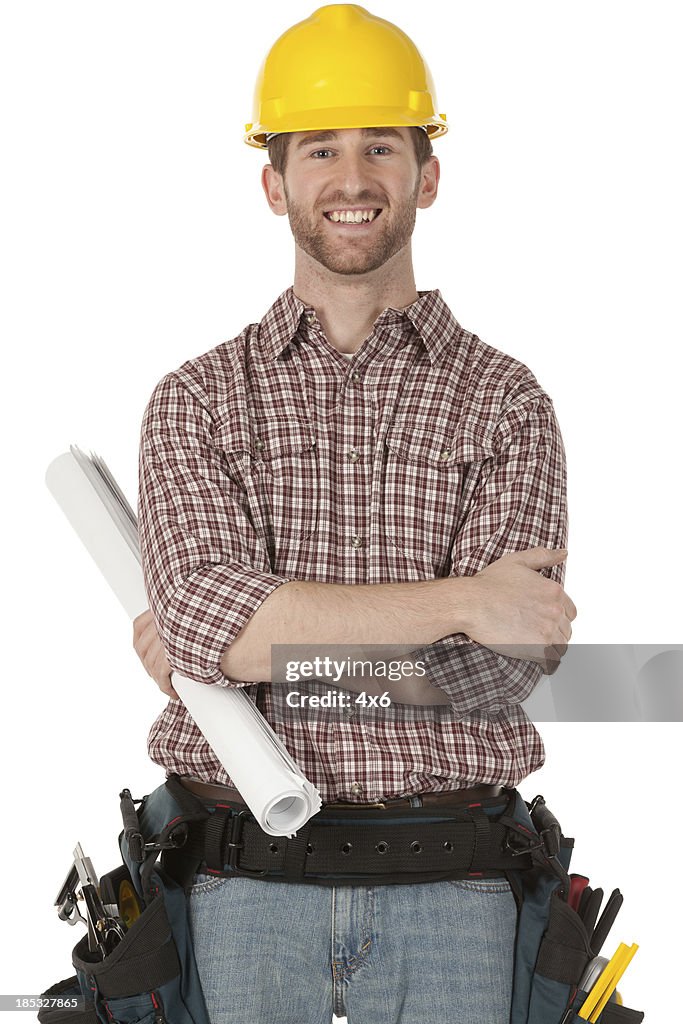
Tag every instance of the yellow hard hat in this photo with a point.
(343, 68)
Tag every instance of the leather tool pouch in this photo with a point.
(552, 948)
(150, 976)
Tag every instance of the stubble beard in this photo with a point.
(342, 256)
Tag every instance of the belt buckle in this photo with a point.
(235, 845)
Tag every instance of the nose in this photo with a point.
(353, 175)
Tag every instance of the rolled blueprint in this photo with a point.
(279, 796)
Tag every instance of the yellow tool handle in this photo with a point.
(623, 964)
(609, 973)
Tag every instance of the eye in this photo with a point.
(315, 152)
(383, 147)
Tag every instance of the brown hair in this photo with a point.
(279, 145)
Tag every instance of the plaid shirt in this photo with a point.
(273, 458)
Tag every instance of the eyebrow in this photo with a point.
(329, 136)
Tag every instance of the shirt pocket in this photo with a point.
(430, 476)
(276, 466)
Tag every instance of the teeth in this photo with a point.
(352, 216)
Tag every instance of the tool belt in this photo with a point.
(455, 836)
(151, 975)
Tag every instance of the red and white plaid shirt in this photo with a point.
(273, 458)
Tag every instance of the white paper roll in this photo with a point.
(279, 796)
(86, 511)
(270, 784)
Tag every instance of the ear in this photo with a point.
(273, 186)
(429, 183)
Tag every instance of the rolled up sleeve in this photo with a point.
(520, 503)
(205, 569)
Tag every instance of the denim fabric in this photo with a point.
(279, 953)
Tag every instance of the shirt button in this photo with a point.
(356, 788)
(445, 454)
(356, 541)
(310, 317)
(259, 445)
(353, 455)
(355, 376)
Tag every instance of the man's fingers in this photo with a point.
(564, 627)
(164, 681)
(143, 631)
(145, 643)
(168, 690)
(158, 666)
(538, 558)
(553, 656)
(162, 677)
(140, 622)
(151, 653)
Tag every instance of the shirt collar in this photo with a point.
(429, 315)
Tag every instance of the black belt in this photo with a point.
(214, 792)
(355, 845)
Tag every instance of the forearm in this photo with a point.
(309, 613)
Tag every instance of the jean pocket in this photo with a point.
(484, 885)
(203, 883)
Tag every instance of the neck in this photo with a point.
(347, 305)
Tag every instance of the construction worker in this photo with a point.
(356, 468)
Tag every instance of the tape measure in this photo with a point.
(128, 902)
(117, 887)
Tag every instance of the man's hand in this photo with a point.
(151, 653)
(513, 610)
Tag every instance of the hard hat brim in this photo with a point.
(331, 120)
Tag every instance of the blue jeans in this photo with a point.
(281, 953)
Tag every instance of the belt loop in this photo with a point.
(481, 840)
(213, 838)
(295, 854)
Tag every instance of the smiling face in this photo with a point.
(352, 194)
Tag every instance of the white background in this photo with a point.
(135, 235)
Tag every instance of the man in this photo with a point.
(356, 469)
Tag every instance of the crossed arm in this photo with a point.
(515, 609)
(489, 630)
